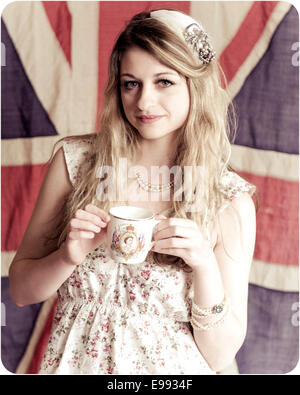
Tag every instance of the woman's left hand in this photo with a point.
(182, 237)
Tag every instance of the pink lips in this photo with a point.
(149, 118)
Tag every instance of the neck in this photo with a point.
(157, 152)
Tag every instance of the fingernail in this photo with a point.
(106, 219)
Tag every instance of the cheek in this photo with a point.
(185, 106)
(126, 104)
(181, 105)
(123, 101)
(187, 100)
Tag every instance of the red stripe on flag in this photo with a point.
(42, 343)
(113, 16)
(60, 20)
(277, 220)
(246, 37)
(20, 187)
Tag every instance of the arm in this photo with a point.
(223, 270)
(39, 269)
(227, 273)
(33, 277)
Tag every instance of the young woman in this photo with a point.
(184, 310)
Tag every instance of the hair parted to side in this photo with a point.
(203, 140)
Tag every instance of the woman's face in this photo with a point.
(155, 98)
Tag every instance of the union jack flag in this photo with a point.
(54, 65)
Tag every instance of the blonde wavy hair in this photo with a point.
(203, 140)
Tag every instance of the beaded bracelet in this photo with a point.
(220, 316)
(209, 311)
(211, 325)
(206, 327)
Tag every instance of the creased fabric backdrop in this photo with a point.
(54, 63)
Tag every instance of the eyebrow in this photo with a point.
(155, 75)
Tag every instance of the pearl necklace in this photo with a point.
(147, 186)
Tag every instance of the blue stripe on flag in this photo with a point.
(22, 114)
(272, 341)
(16, 327)
(267, 104)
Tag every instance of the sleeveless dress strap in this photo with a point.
(77, 157)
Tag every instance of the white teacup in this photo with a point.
(129, 233)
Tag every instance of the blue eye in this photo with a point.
(129, 85)
(165, 83)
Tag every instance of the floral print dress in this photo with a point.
(114, 318)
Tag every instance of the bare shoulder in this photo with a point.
(241, 207)
(243, 202)
(236, 225)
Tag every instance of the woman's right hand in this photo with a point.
(87, 230)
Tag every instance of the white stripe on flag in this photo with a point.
(84, 93)
(259, 48)
(275, 276)
(265, 163)
(42, 58)
(29, 151)
(221, 19)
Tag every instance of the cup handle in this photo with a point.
(155, 222)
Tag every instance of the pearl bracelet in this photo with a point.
(209, 311)
(211, 325)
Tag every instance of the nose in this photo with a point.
(146, 98)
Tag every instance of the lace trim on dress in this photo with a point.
(77, 156)
(232, 185)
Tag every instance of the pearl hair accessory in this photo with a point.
(188, 29)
